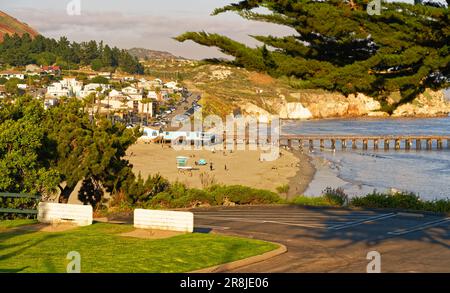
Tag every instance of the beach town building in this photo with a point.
(12, 74)
(33, 69)
(173, 85)
(68, 87)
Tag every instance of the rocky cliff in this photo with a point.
(226, 87)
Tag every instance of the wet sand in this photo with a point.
(242, 167)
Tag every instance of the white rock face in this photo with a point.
(430, 103)
(294, 111)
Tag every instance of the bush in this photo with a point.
(20, 204)
(401, 200)
(311, 201)
(243, 195)
(336, 197)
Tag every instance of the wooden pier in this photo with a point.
(406, 142)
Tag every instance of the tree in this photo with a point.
(89, 152)
(338, 46)
(24, 164)
(11, 86)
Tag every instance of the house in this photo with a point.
(150, 134)
(173, 85)
(107, 75)
(22, 86)
(68, 87)
(57, 90)
(33, 69)
(53, 70)
(93, 88)
(12, 74)
(152, 95)
(130, 91)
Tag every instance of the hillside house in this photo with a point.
(12, 74)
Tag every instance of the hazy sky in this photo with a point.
(138, 23)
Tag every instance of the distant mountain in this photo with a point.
(10, 25)
(142, 54)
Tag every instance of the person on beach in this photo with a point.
(211, 166)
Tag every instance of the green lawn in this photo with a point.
(6, 224)
(102, 251)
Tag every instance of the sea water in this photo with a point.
(358, 172)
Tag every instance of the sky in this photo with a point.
(149, 24)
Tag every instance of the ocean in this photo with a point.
(358, 172)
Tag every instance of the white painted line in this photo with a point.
(321, 226)
(363, 221)
(285, 215)
(212, 227)
(245, 220)
(413, 215)
(419, 227)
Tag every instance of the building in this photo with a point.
(57, 90)
(130, 91)
(33, 69)
(53, 70)
(12, 74)
(68, 87)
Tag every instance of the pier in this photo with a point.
(405, 142)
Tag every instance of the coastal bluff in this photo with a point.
(225, 89)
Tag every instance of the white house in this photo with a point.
(22, 86)
(12, 74)
(173, 85)
(130, 90)
(57, 90)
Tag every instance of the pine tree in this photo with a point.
(339, 46)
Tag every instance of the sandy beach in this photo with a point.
(242, 167)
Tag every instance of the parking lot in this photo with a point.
(337, 240)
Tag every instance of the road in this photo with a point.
(336, 240)
(180, 109)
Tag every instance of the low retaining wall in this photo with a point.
(52, 213)
(164, 220)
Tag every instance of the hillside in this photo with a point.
(142, 54)
(10, 25)
(227, 88)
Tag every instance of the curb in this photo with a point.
(244, 262)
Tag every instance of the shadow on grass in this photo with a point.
(13, 270)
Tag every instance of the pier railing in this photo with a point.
(397, 142)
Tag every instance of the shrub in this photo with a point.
(336, 197)
(20, 204)
(311, 201)
(243, 195)
(401, 200)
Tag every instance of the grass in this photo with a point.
(103, 251)
(311, 201)
(7, 224)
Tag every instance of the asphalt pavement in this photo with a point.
(336, 240)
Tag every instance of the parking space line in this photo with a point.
(363, 221)
(424, 226)
(212, 227)
(245, 220)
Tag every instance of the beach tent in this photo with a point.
(182, 161)
(202, 162)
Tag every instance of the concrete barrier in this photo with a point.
(52, 213)
(164, 220)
